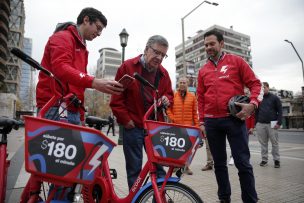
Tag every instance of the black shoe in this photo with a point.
(277, 164)
(263, 163)
(207, 167)
(224, 201)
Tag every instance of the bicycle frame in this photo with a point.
(108, 191)
(8, 125)
(149, 168)
(102, 178)
(4, 164)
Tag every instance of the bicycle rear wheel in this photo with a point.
(174, 192)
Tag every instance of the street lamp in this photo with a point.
(123, 42)
(286, 40)
(297, 54)
(183, 32)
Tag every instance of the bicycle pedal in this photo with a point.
(113, 173)
(179, 173)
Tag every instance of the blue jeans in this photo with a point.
(53, 114)
(133, 143)
(234, 129)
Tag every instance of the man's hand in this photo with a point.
(276, 126)
(165, 101)
(107, 86)
(250, 131)
(247, 110)
(202, 127)
(130, 125)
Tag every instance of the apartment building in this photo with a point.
(108, 63)
(27, 82)
(195, 55)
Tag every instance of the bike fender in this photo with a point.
(159, 180)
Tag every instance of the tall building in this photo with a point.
(195, 55)
(97, 103)
(15, 39)
(107, 66)
(4, 25)
(27, 90)
(108, 63)
(12, 17)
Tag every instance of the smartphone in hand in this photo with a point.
(126, 80)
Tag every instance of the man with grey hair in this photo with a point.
(130, 107)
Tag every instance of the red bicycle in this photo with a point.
(70, 156)
(6, 126)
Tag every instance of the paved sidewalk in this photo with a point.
(285, 184)
(273, 185)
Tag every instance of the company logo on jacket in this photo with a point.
(223, 70)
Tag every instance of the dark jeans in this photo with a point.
(133, 143)
(217, 130)
(53, 114)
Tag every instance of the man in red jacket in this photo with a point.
(222, 77)
(130, 107)
(66, 56)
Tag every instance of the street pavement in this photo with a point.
(273, 185)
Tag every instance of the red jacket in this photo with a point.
(130, 105)
(184, 110)
(66, 56)
(250, 122)
(218, 83)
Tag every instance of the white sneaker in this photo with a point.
(231, 162)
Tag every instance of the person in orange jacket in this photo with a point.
(184, 108)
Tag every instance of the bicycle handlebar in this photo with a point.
(7, 124)
(29, 60)
(156, 102)
(57, 95)
(144, 81)
(97, 123)
(23, 56)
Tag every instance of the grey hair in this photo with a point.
(157, 39)
(183, 77)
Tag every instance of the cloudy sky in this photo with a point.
(267, 22)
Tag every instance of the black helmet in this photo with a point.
(234, 109)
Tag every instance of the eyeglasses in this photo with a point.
(99, 27)
(159, 53)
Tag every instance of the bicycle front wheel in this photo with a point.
(174, 192)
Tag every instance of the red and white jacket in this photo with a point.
(218, 83)
(66, 56)
(130, 104)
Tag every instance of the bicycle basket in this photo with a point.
(171, 144)
(64, 152)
